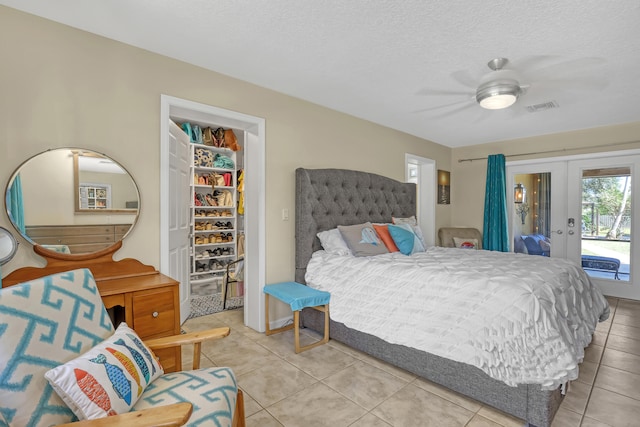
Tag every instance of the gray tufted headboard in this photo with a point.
(326, 198)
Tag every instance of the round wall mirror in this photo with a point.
(8, 246)
(72, 201)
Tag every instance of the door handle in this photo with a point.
(557, 231)
(571, 233)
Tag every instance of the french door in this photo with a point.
(580, 209)
(537, 220)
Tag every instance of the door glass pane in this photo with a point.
(532, 220)
(606, 222)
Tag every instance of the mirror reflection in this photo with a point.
(8, 246)
(102, 185)
(72, 201)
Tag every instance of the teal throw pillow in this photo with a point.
(405, 239)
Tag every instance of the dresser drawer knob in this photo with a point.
(155, 314)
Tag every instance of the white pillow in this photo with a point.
(414, 224)
(332, 242)
(109, 378)
(465, 243)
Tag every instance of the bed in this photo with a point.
(326, 198)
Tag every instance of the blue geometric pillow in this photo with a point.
(44, 323)
(405, 239)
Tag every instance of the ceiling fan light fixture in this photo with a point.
(498, 94)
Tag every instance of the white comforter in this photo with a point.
(521, 319)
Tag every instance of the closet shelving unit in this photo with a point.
(215, 223)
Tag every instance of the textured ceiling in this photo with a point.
(388, 61)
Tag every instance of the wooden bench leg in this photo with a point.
(296, 326)
(296, 322)
(268, 330)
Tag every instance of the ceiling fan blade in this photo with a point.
(577, 83)
(531, 61)
(467, 105)
(441, 106)
(429, 91)
(567, 68)
(465, 78)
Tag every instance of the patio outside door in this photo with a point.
(581, 210)
(602, 203)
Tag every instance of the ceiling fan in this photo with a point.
(501, 87)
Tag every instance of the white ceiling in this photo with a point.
(384, 60)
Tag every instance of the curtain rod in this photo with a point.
(561, 150)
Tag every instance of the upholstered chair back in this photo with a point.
(44, 323)
(446, 235)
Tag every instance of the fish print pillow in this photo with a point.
(362, 239)
(109, 378)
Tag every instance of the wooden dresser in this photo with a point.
(150, 304)
(135, 293)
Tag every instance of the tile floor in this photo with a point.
(333, 385)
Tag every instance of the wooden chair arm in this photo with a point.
(195, 338)
(174, 415)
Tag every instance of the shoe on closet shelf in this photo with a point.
(197, 134)
(199, 213)
(217, 180)
(219, 137)
(211, 200)
(200, 199)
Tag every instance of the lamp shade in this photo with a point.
(443, 177)
(519, 193)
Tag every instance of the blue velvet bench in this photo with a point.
(601, 263)
(298, 296)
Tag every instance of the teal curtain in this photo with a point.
(495, 233)
(15, 205)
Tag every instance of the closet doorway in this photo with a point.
(254, 201)
(422, 172)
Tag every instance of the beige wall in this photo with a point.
(468, 178)
(64, 87)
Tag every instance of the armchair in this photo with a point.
(51, 321)
(447, 236)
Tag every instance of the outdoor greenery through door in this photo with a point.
(606, 222)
